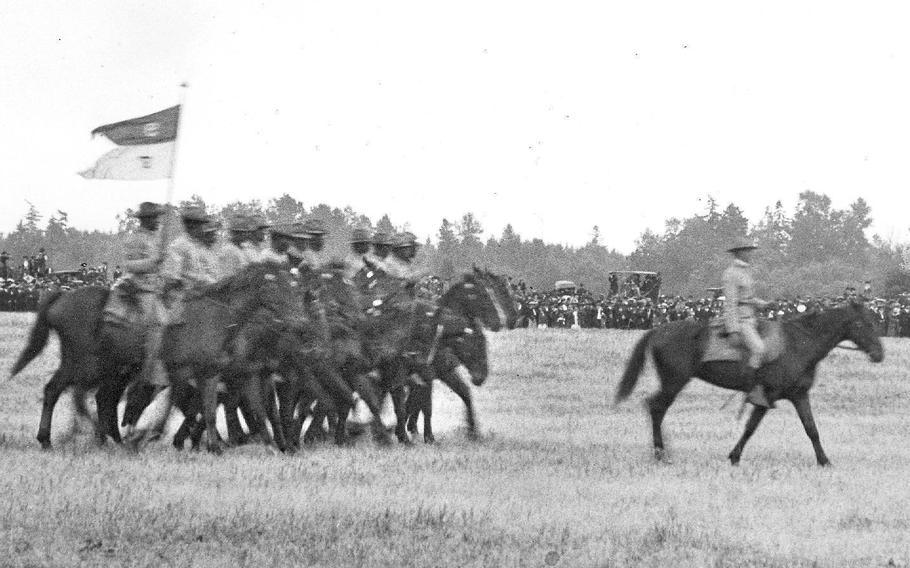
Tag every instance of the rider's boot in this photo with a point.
(757, 395)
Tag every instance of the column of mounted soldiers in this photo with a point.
(157, 278)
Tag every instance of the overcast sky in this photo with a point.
(554, 116)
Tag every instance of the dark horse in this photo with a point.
(678, 346)
(92, 355)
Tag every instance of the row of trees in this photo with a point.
(815, 250)
(818, 250)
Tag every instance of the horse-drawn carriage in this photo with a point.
(635, 284)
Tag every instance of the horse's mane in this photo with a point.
(250, 277)
(811, 321)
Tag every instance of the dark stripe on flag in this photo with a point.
(152, 129)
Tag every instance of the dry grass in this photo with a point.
(561, 478)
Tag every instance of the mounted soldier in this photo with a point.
(360, 248)
(404, 249)
(245, 246)
(291, 242)
(191, 260)
(136, 296)
(739, 317)
(314, 256)
(382, 248)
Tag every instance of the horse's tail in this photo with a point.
(37, 339)
(633, 368)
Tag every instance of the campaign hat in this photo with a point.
(246, 223)
(742, 243)
(211, 226)
(295, 230)
(405, 239)
(194, 214)
(360, 236)
(381, 238)
(149, 209)
(315, 227)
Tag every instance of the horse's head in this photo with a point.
(506, 297)
(476, 296)
(861, 330)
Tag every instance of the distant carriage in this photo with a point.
(635, 284)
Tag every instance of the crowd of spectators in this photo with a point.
(629, 305)
(579, 308)
(21, 285)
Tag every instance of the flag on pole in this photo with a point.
(145, 147)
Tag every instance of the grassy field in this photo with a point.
(560, 478)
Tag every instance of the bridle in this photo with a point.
(500, 312)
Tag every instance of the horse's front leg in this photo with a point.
(460, 388)
(804, 411)
(399, 403)
(754, 419)
(209, 387)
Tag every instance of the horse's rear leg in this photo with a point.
(106, 400)
(232, 402)
(400, 404)
(804, 411)
(271, 411)
(209, 388)
(252, 392)
(754, 419)
(658, 404)
(52, 391)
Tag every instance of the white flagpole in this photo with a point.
(169, 196)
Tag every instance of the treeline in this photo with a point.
(455, 248)
(814, 250)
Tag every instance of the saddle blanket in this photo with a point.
(720, 348)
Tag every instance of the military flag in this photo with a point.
(145, 148)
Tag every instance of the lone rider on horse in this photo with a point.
(739, 313)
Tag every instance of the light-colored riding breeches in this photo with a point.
(753, 342)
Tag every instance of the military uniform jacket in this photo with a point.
(739, 295)
(310, 259)
(142, 254)
(353, 264)
(191, 263)
(398, 268)
(233, 258)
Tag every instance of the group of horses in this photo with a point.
(284, 345)
(281, 345)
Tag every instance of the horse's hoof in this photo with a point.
(45, 445)
(660, 455)
(382, 438)
(473, 435)
(824, 463)
(429, 439)
(215, 448)
(734, 459)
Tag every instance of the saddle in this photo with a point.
(720, 347)
(122, 306)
